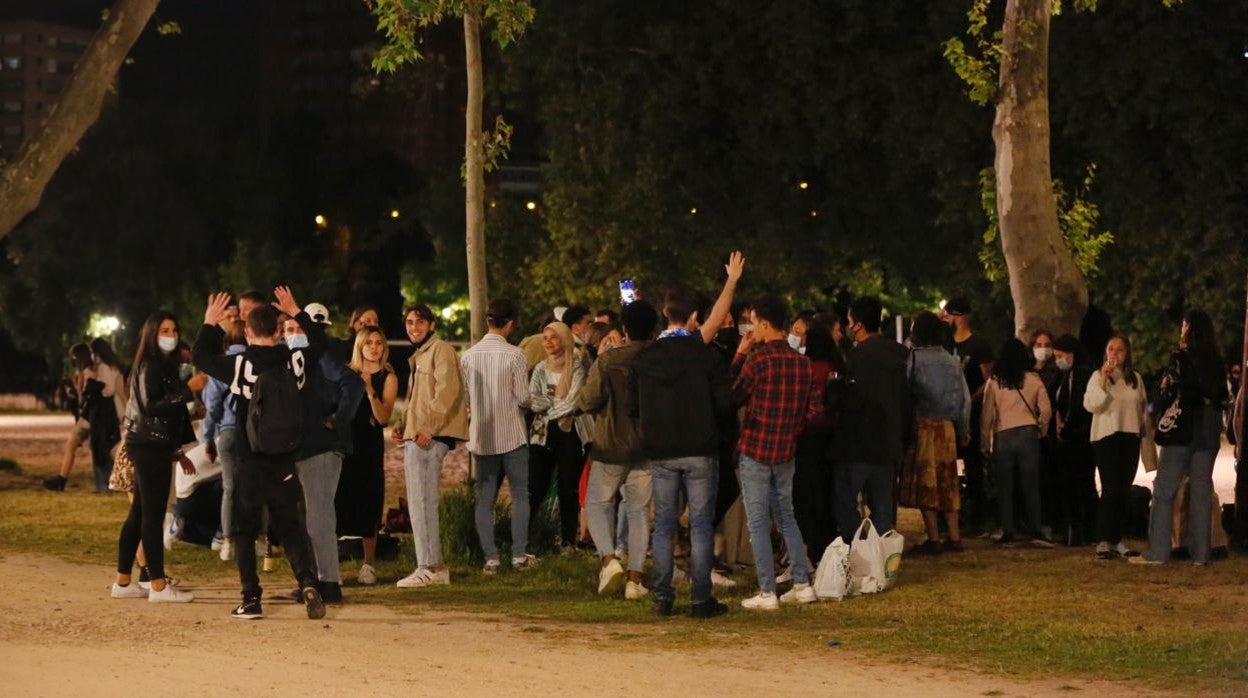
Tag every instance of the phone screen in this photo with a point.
(628, 291)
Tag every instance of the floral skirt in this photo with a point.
(929, 473)
(122, 479)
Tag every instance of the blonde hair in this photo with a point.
(357, 350)
(565, 360)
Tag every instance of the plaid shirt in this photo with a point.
(774, 382)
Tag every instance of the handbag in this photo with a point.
(164, 431)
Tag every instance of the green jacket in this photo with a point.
(605, 396)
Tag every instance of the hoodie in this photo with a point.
(678, 390)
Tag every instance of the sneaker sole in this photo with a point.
(312, 601)
(247, 616)
(615, 584)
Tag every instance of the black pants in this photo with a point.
(813, 494)
(728, 488)
(1076, 493)
(153, 471)
(272, 483)
(1117, 457)
(562, 459)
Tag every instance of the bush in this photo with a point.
(456, 512)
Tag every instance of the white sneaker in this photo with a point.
(170, 529)
(527, 562)
(611, 578)
(170, 594)
(722, 580)
(634, 591)
(147, 586)
(491, 567)
(227, 550)
(800, 593)
(764, 601)
(425, 577)
(366, 575)
(129, 591)
(217, 542)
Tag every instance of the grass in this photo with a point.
(1018, 612)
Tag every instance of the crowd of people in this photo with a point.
(644, 423)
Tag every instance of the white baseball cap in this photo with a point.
(319, 313)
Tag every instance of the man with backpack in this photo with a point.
(266, 381)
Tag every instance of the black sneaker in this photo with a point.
(55, 483)
(663, 607)
(249, 609)
(312, 600)
(707, 609)
(331, 592)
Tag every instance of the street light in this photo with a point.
(693, 211)
(320, 220)
(394, 213)
(803, 185)
(531, 205)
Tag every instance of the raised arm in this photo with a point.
(723, 304)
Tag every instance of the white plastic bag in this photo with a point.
(866, 561)
(832, 575)
(891, 544)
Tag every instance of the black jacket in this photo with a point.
(1068, 402)
(876, 424)
(158, 391)
(680, 387)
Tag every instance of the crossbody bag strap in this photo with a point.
(1035, 412)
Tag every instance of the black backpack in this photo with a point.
(275, 415)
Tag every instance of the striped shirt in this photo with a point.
(497, 389)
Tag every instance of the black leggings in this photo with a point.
(153, 472)
(562, 458)
(1117, 457)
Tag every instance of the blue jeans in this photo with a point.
(700, 478)
(318, 475)
(767, 492)
(490, 470)
(226, 440)
(604, 480)
(422, 469)
(1194, 459)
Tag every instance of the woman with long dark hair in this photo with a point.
(1016, 413)
(1195, 384)
(157, 424)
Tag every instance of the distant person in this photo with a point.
(82, 378)
(975, 354)
(107, 414)
(814, 505)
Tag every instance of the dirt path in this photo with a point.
(61, 634)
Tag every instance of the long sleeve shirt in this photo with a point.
(774, 384)
(1009, 408)
(497, 391)
(1115, 406)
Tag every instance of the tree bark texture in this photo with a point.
(1048, 289)
(474, 171)
(24, 179)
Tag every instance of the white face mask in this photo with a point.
(744, 328)
(1063, 364)
(297, 341)
(1042, 354)
(795, 342)
(167, 344)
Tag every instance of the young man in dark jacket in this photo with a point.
(1072, 427)
(329, 405)
(681, 389)
(617, 456)
(263, 480)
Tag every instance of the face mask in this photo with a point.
(744, 329)
(795, 342)
(1042, 354)
(297, 341)
(1063, 364)
(167, 344)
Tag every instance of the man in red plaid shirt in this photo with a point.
(774, 383)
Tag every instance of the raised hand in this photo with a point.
(215, 312)
(285, 301)
(735, 266)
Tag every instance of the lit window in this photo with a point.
(52, 66)
(13, 63)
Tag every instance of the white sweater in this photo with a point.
(1117, 407)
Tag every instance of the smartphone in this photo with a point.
(628, 291)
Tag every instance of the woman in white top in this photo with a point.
(557, 437)
(1118, 403)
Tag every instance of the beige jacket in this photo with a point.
(436, 404)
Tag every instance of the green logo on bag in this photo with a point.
(891, 565)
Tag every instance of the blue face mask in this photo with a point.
(297, 341)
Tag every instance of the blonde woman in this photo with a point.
(362, 485)
(557, 437)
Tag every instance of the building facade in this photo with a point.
(36, 61)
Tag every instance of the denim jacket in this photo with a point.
(939, 388)
(218, 403)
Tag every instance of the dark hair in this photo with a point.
(926, 330)
(149, 346)
(104, 351)
(613, 318)
(597, 332)
(574, 314)
(355, 314)
(1200, 335)
(1070, 344)
(422, 311)
(500, 312)
(1036, 335)
(819, 344)
(1013, 363)
(80, 354)
(774, 310)
(1128, 366)
(263, 321)
(253, 296)
(739, 307)
(679, 303)
(639, 319)
(867, 310)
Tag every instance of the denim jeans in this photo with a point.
(604, 480)
(1017, 450)
(490, 469)
(698, 474)
(1194, 459)
(875, 482)
(319, 477)
(422, 469)
(226, 454)
(767, 493)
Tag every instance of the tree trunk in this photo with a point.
(1048, 289)
(474, 171)
(23, 180)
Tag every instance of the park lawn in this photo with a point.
(1025, 613)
